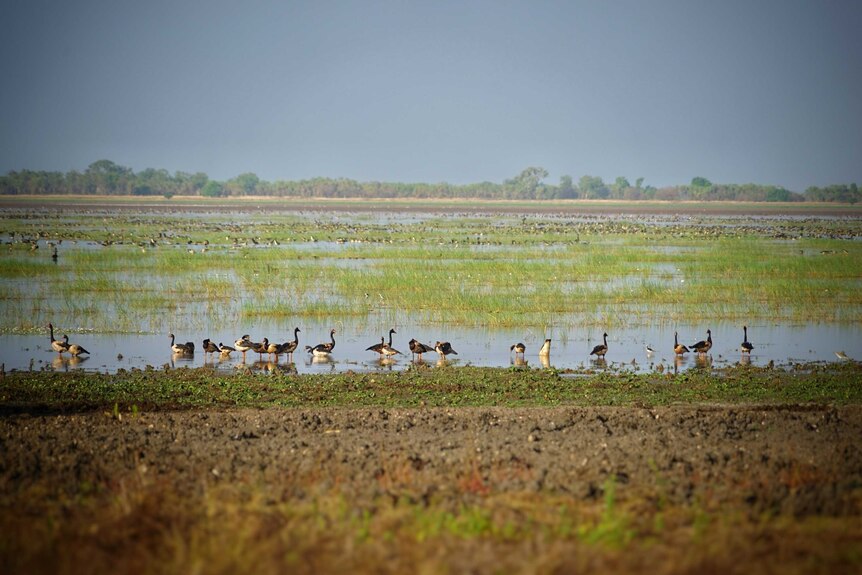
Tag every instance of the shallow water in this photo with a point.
(781, 344)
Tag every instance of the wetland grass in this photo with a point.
(474, 271)
(814, 384)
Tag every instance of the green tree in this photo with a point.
(528, 183)
(593, 188)
(245, 183)
(567, 188)
(699, 182)
(106, 177)
(212, 189)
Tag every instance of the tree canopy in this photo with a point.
(104, 177)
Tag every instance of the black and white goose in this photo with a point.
(519, 348)
(289, 347)
(444, 348)
(243, 344)
(73, 348)
(418, 348)
(678, 348)
(600, 350)
(225, 350)
(703, 346)
(260, 348)
(210, 347)
(379, 347)
(56, 345)
(745, 346)
(182, 348)
(323, 349)
(274, 349)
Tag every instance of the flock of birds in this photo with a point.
(63, 346)
(385, 349)
(321, 350)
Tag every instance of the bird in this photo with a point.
(389, 351)
(323, 349)
(600, 350)
(243, 344)
(289, 347)
(260, 348)
(649, 349)
(225, 350)
(182, 348)
(841, 355)
(73, 348)
(418, 348)
(546, 348)
(703, 346)
(275, 349)
(678, 348)
(444, 348)
(746, 345)
(378, 347)
(56, 345)
(519, 348)
(210, 347)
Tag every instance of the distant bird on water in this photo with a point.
(601, 349)
(418, 348)
(546, 348)
(289, 347)
(323, 349)
(678, 348)
(519, 348)
(210, 347)
(56, 345)
(73, 348)
(243, 344)
(182, 348)
(702, 347)
(380, 347)
(444, 348)
(745, 346)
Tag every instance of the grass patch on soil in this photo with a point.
(141, 525)
(202, 388)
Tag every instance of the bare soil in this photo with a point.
(798, 460)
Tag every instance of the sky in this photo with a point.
(458, 91)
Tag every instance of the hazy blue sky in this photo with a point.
(765, 91)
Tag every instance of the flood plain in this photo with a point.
(124, 277)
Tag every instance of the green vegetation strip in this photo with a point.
(447, 387)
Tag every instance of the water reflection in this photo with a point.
(63, 363)
(599, 363)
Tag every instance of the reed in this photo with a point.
(503, 271)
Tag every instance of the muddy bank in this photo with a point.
(786, 459)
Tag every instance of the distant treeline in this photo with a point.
(108, 178)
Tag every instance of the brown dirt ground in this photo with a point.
(799, 460)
